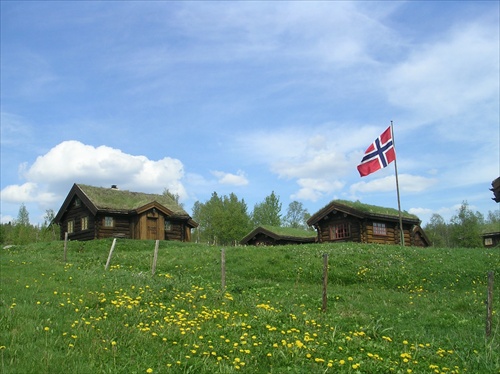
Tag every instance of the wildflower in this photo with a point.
(299, 344)
(342, 362)
(149, 371)
(46, 328)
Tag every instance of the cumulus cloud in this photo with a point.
(407, 183)
(25, 193)
(238, 179)
(71, 162)
(313, 189)
(451, 76)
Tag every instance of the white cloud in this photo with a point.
(238, 179)
(74, 162)
(314, 189)
(407, 183)
(25, 193)
(451, 76)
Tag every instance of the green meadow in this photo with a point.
(389, 309)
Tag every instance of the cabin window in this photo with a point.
(168, 225)
(340, 231)
(108, 221)
(379, 228)
(78, 202)
(488, 241)
(85, 223)
(71, 226)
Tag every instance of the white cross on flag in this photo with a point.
(378, 155)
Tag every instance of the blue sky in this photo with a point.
(250, 98)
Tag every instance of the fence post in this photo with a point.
(155, 257)
(65, 246)
(489, 304)
(325, 280)
(223, 269)
(110, 254)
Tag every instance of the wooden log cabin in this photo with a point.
(272, 235)
(90, 212)
(343, 220)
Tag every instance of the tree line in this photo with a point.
(225, 220)
(21, 231)
(464, 228)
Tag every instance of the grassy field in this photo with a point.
(390, 310)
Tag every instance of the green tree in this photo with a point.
(222, 220)
(49, 230)
(296, 216)
(437, 231)
(22, 232)
(173, 196)
(268, 212)
(465, 227)
(23, 216)
(235, 221)
(493, 218)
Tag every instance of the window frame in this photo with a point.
(379, 228)
(108, 222)
(340, 231)
(84, 223)
(70, 227)
(167, 225)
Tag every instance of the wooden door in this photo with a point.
(152, 228)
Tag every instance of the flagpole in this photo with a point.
(402, 233)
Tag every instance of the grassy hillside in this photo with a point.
(390, 310)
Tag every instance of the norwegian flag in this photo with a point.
(378, 155)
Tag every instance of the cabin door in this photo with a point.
(152, 228)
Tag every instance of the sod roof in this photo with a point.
(281, 233)
(361, 209)
(123, 200)
(491, 229)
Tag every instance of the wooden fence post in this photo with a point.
(110, 254)
(489, 304)
(65, 246)
(325, 280)
(155, 257)
(223, 269)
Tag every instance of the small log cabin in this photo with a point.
(96, 213)
(343, 220)
(272, 235)
(491, 236)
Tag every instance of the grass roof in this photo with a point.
(491, 228)
(123, 200)
(374, 209)
(290, 232)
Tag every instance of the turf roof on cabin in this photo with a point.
(366, 209)
(290, 232)
(115, 199)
